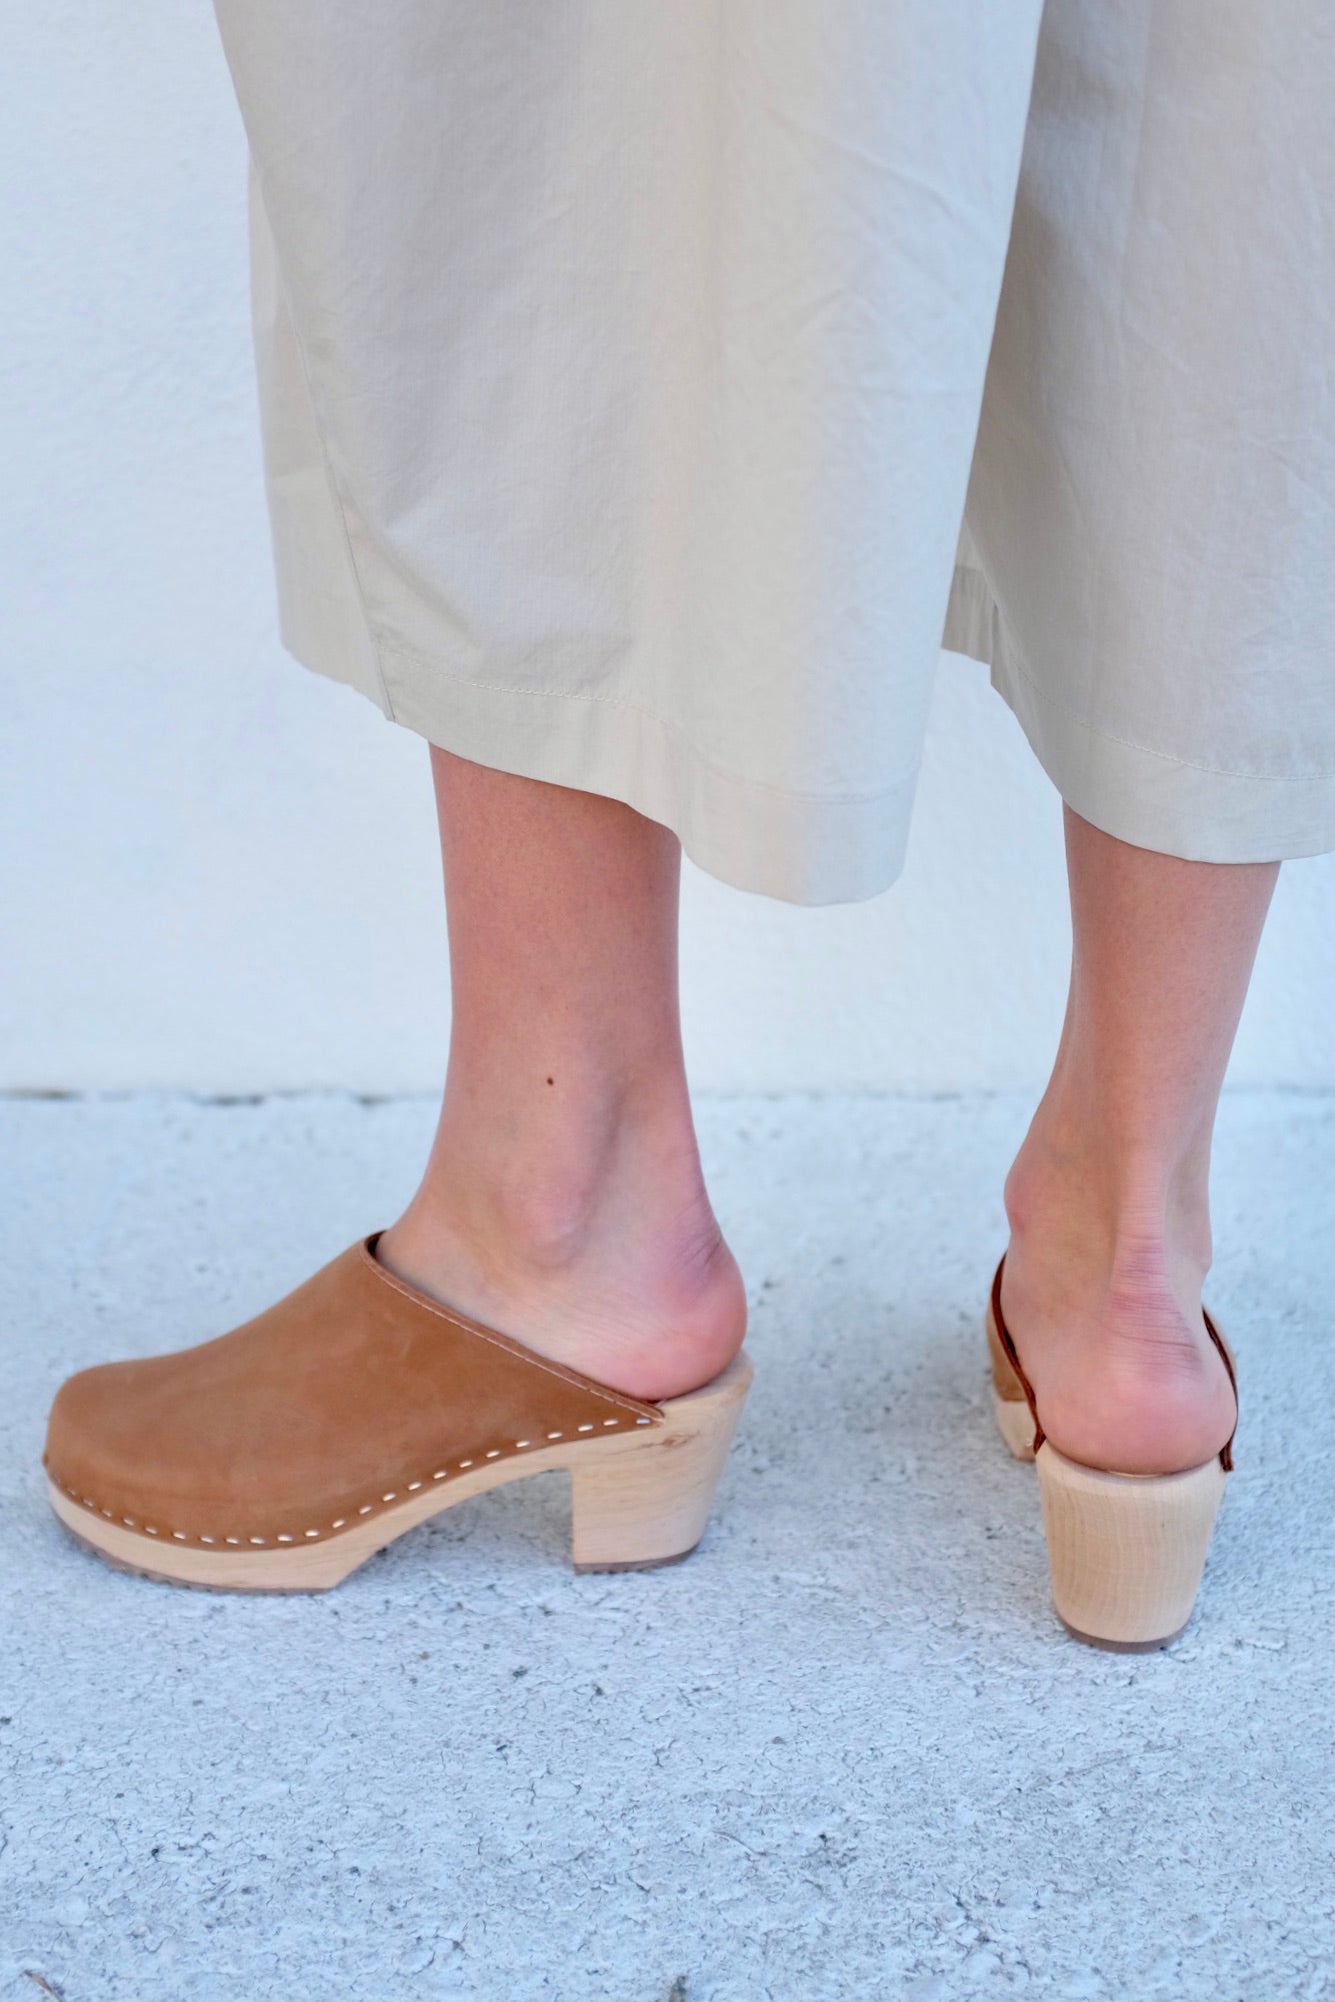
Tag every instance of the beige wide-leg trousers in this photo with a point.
(650, 390)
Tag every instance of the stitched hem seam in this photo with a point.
(664, 723)
(1011, 661)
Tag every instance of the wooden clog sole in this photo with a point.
(638, 1500)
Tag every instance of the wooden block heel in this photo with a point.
(646, 1499)
(1125, 1551)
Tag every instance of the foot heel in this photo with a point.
(1126, 1551)
(645, 1498)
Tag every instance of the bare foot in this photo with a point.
(1108, 1325)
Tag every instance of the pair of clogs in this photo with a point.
(280, 1456)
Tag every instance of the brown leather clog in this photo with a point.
(282, 1455)
(1125, 1551)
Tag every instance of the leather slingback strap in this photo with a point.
(1004, 1337)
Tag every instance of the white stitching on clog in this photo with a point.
(365, 1508)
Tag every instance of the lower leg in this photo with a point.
(563, 1200)
(1108, 1197)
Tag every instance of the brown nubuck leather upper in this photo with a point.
(1004, 1337)
(352, 1392)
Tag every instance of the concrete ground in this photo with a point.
(843, 1752)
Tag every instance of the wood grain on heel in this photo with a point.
(645, 1500)
(1126, 1551)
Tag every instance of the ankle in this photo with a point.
(1117, 1214)
(541, 1185)
(594, 1243)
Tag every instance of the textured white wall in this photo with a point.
(218, 871)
